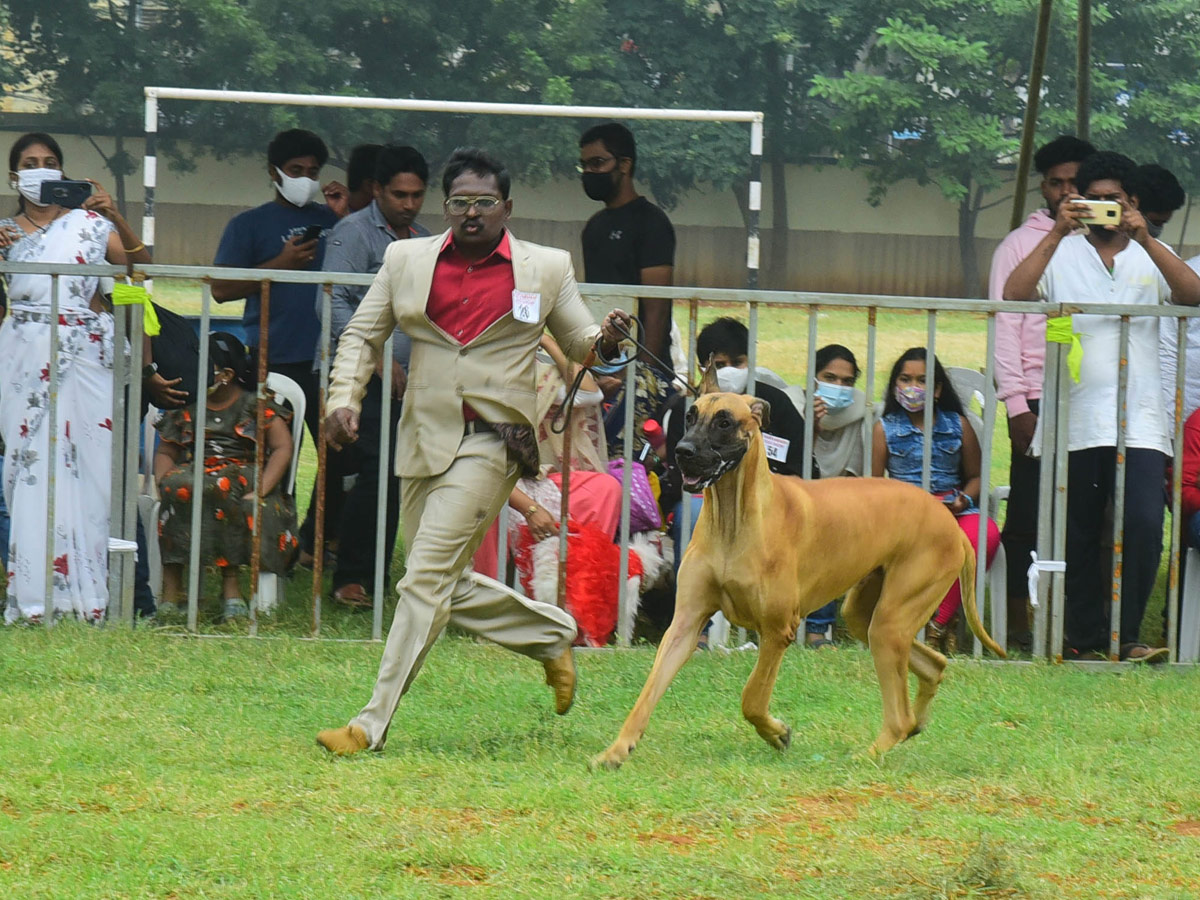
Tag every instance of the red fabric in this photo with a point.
(468, 296)
(593, 569)
(1191, 466)
(953, 599)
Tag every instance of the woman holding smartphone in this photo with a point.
(49, 233)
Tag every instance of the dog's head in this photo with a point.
(720, 429)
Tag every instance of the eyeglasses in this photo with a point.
(458, 206)
(593, 164)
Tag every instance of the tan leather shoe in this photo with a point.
(560, 675)
(343, 741)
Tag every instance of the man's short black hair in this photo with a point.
(1157, 190)
(617, 140)
(1106, 164)
(361, 164)
(1063, 149)
(472, 159)
(293, 143)
(725, 335)
(396, 158)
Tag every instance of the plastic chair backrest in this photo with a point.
(285, 389)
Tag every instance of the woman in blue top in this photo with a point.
(898, 448)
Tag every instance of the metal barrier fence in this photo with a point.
(1048, 623)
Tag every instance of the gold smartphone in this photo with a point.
(1103, 212)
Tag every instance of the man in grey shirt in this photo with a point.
(357, 244)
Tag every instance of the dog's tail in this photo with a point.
(966, 584)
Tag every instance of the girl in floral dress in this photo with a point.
(227, 517)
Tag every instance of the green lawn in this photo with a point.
(138, 765)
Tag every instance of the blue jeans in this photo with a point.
(817, 623)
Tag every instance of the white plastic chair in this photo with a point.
(284, 389)
(969, 385)
(1189, 613)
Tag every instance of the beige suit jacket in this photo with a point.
(495, 373)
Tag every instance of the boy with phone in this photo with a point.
(286, 233)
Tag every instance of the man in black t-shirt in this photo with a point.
(630, 241)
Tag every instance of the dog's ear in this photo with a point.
(760, 409)
(708, 384)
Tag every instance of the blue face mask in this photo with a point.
(836, 396)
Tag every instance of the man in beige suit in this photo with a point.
(474, 302)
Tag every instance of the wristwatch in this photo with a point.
(148, 370)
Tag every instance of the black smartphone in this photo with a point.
(66, 193)
(311, 233)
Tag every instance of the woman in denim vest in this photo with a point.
(954, 464)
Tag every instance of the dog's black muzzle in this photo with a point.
(701, 463)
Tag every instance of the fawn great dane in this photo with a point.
(769, 549)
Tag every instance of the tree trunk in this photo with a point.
(776, 141)
(118, 172)
(968, 215)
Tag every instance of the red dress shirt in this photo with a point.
(467, 296)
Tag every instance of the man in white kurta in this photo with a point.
(1120, 265)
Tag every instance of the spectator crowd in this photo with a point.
(476, 283)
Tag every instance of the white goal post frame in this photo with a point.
(754, 118)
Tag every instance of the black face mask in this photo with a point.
(599, 186)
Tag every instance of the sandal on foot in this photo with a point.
(353, 596)
(821, 644)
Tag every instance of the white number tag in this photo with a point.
(777, 447)
(527, 307)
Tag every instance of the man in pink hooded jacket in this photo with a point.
(1020, 359)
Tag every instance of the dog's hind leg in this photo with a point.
(908, 598)
(859, 605)
(677, 647)
(929, 666)
(756, 696)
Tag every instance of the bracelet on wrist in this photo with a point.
(529, 512)
(134, 249)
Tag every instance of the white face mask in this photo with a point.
(733, 379)
(29, 183)
(296, 191)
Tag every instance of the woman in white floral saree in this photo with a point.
(83, 473)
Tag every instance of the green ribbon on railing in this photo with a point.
(1061, 331)
(130, 294)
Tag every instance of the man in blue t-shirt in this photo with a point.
(286, 233)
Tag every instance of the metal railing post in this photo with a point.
(200, 423)
(624, 619)
(1118, 559)
(52, 453)
(382, 510)
(1177, 523)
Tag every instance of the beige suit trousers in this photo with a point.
(445, 518)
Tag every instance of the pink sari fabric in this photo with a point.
(595, 500)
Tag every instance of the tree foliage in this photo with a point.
(929, 90)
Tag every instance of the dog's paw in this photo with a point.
(611, 759)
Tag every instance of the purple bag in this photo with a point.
(644, 514)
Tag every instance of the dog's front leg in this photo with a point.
(756, 696)
(677, 647)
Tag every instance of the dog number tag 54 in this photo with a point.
(777, 447)
(527, 307)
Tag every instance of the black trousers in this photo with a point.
(1019, 535)
(356, 549)
(1091, 482)
(302, 373)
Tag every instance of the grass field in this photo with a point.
(138, 765)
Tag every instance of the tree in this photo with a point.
(939, 96)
